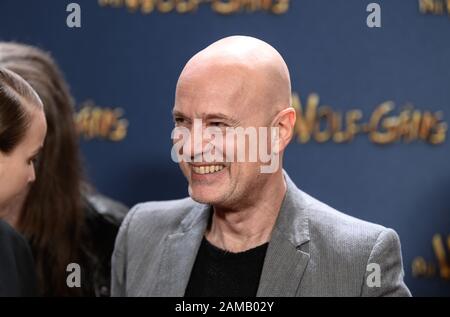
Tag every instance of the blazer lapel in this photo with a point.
(287, 255)
(283, 268)
(180, 253)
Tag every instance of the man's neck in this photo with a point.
(248, 227)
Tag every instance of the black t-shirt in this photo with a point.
(219, 273)
(17, 274)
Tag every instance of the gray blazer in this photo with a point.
(314, 250)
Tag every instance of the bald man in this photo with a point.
(246, 230)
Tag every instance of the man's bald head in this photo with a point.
(257, 70)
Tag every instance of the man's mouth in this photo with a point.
(207, 169)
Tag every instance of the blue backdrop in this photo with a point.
(127, 59)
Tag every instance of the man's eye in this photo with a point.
(179, 120)
(217, 124)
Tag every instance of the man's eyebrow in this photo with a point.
(177, 113)
(222, 116)
(209, 116)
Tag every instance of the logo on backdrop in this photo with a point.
(435, 7)
(95, 122)
(423, 268)
(384, 125)
(191, 6)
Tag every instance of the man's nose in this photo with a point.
(197, 140)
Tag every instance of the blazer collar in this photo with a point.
(287, 255)
(293, 220)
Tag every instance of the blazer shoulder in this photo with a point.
(339, 228)
(162, 214)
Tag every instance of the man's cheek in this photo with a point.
(184, 168)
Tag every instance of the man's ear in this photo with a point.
(285, 122)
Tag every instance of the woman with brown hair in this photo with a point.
(64, 221)
(22, 132)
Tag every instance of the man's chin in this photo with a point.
(204, 197)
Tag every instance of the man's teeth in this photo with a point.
(207, 169)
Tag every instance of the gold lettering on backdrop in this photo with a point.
(436, 7)
(422, 268)
(322, 124)
(103, 123)
(189, 6)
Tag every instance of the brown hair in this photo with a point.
(52, 216)
(15, 94)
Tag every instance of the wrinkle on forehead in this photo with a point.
(215, 85)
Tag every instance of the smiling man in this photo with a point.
(244, 232)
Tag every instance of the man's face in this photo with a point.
(222, 97)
